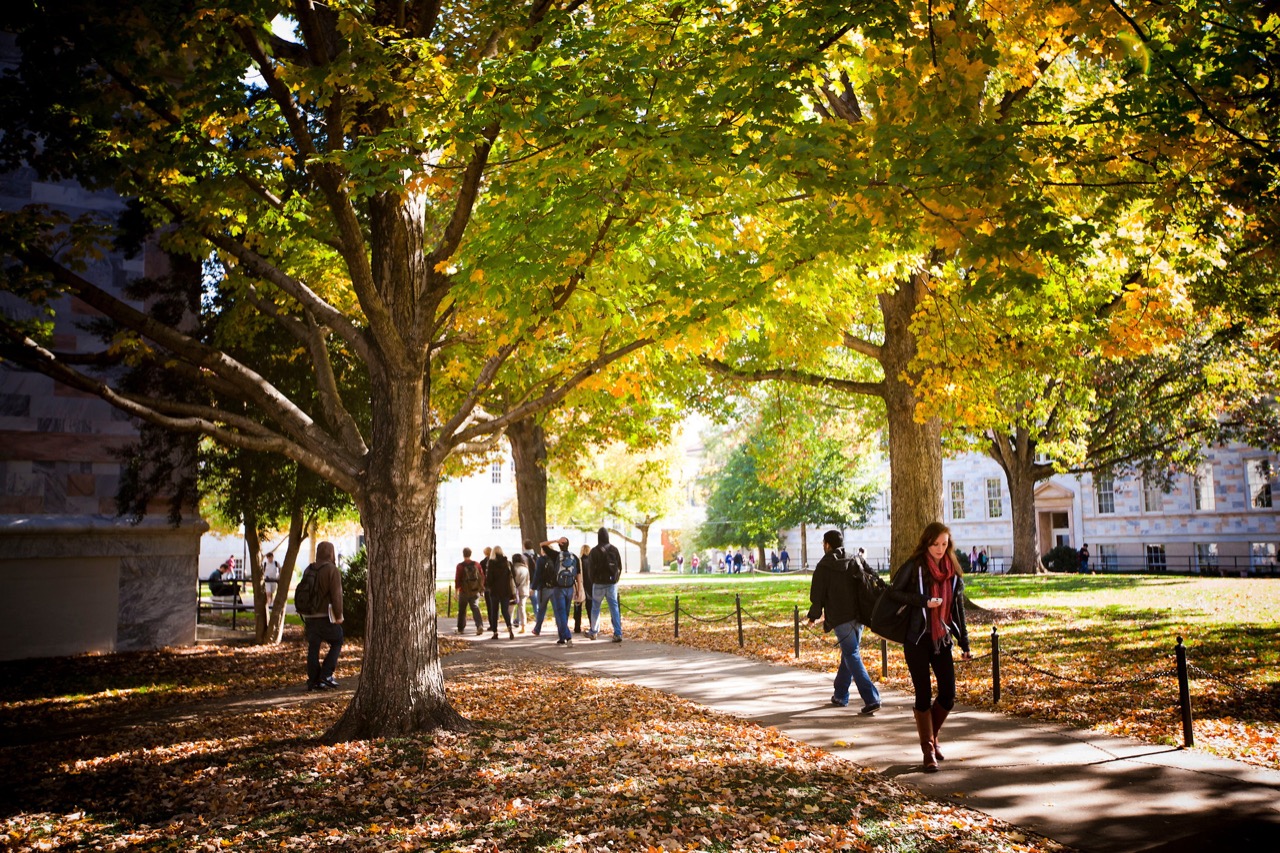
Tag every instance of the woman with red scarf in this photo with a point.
(930, 585)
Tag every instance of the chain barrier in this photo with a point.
(1122, 682)
(684, 613)
(1237, 686)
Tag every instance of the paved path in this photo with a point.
(1095, 793)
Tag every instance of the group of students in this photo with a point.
(929, 589)
(554, 575)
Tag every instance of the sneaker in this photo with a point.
(870, 709)
(591, 635)
(617, 639)
(511, 635)
(838, 703)
(495, 636)
(313, 687)
(479, 632)
(560, 642)
(568, 642)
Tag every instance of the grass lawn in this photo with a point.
(1114, 634)
(213, 748)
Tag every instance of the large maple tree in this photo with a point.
(439, 193)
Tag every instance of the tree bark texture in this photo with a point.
(915, 447)
(529, 453)
(644, 546)
(401, 687)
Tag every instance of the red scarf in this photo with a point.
(940, 586)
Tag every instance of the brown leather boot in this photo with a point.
(939, 715)
(924, 728)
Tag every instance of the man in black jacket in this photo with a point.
(833, 595)
(605, 564)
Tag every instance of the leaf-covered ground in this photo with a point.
(1088, 651)
(217, 748)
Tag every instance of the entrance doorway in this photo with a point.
(1060, 528)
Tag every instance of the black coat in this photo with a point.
(905, 589)
(498, 579)
(832, 592)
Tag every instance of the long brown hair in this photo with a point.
(931, 532)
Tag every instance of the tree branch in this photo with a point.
(798, 377)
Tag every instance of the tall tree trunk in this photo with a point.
(297, 532)
(401, 687)
(804, 545)
(915, 448)
(1016, 455)
(529, 453)
(644, 545)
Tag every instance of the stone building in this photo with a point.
(1222, 518)
(76, 577)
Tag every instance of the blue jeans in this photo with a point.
(849, 635)
(609, 592)
(320, 630)
(561, 598)
(540, 609)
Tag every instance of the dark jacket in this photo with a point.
(906, 588)
(498, 580)
(545, 574)
(832, 592)
(600, 569)
(329, 583)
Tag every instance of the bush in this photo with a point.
(1063, 558)
(964, 562)
(355, 594)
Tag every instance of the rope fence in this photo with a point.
(1180, 670)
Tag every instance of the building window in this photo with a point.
(1257, 475)
(957, 501)
(1155, 558)
(462, 517)
(1207, 557)
(1106, 488)
(886, 505)
(995, 499)
(1262, 558)
(1202, 486)
(495, 472)
(496, 517)
(1105, 557)
(1152, 496)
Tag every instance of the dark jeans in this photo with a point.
(320, 630)
(920, 659)
(495, 603)
(578, 608)
(463, 602)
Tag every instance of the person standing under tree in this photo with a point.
(324, 627)
(564, 570)
(604, 565)
(270, 577)
(833, 595)
(520, 578)
(929, 583)
(784, 558)
(468, 580)
(582, 592)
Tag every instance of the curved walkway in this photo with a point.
(1096, 793)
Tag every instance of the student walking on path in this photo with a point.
(604, 565)
(929, 583)
(468, 580)
(833, 595)
(499, 591)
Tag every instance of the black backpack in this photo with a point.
(613, 560)
(307, 599)
(868, 587)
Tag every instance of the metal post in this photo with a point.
(677, 617)
(448, 602)
(738, 603)
(884, 658)
(797, 612)
(1184, 695)
(995, 666)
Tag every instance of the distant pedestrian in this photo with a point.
(565, 575)
(737, 562)
(1084, 559)
(270, 577)
(468, 580)
(693, 564)
(531, 560)
(582, 593)
(520, 577)
(499, 592)
(544, 581)
(680, 563)
(785, 559)
(605, 567)
(929, 583)
(774, 561)
(324, 627)
(751, 561)
(833, 595)
(973, 558)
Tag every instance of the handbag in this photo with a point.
(891, 619)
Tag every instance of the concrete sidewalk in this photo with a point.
(1095, 793)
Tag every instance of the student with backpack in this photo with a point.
(564, 577)
(499, 591)
(605, 568)
(839, 592)
(468, 580)
(318, 600)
